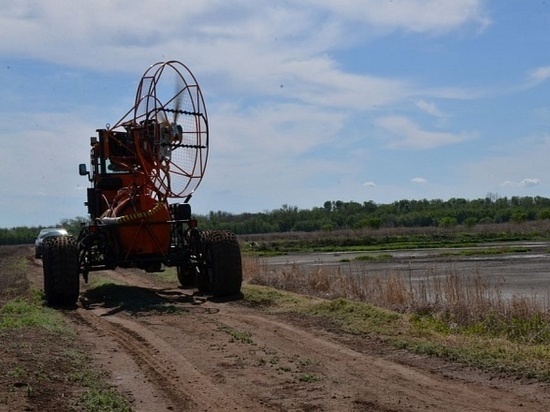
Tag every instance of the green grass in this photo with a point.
(488, 251)
(372, 240)
(169, 274)
(98, 396)
(29, 313)
(357, 317)
(238, 335)
(309, 378)
(464, 253)
(98, 282)
(258, 296)
(374, 258)
(104, 400)
(517, 346)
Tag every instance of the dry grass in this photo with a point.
(469, 302)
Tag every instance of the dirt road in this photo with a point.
(168, 350)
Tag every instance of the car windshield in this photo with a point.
(52, 231)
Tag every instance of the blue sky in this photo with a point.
(308, 100)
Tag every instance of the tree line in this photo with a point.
(338, 215)
(21, 235)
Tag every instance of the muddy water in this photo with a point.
(520, 274)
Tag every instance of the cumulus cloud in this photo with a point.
(406, 134)
(249, 48)
(419, 180)
(369, 184)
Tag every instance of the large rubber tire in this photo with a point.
(61, 277)
(187, 277)
(222, 272)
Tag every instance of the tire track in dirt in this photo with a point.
(353, 380)
(127, 348)
(226, 356)
(179, 381)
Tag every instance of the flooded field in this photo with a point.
(525, 273)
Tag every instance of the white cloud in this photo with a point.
(48, 149)
(529, 182)
(406, 134)
(270, 131)
(42, 184)
(503, 172)
(320, 82)
(539, 75)
(247, 48)
(412, 15)
(283, 144)
(429, 108)
(282, 108)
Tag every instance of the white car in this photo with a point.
(45, 233)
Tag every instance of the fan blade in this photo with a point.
(179, 98)
(162, 118)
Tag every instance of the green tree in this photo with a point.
(447, 222)
(470, 221)
(544, 214)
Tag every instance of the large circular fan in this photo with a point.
(169, 126)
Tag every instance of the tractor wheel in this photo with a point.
(222, 274)
(187, 277)
(60, 263)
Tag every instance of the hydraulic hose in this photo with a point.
(134, 216)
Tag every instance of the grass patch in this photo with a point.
(356, 317)
(374, 258)
(488, 251)
(29, 331)
(269, 297)
(389, 238)
(238, 335)
(353, 317)
(98, 395)
(309, 378)
(28, 312)
(515, 345)
(168, 274)
(104, 400)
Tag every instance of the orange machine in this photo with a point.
(143, 172)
